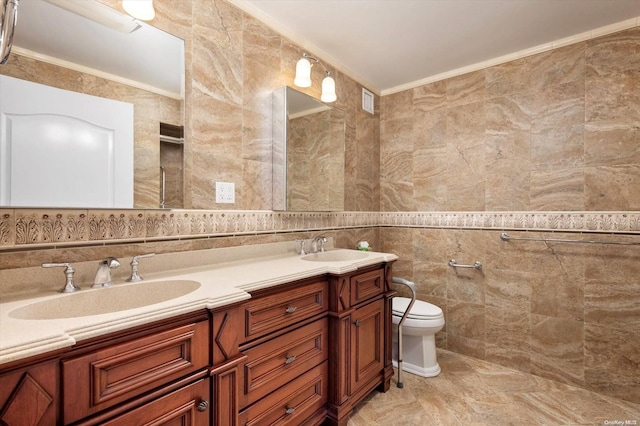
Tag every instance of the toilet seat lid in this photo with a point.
(420, 309)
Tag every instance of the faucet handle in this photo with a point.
(323, 241)
(134, 278)
(301, 252)
(69, 286)
(111, 262)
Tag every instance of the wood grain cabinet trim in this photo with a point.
(114, 374)
(29, 396)
(270, 313)
(187, 406)
(274, 363)
(366, 286)
(291, 404)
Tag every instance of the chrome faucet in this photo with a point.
(103, 274)
(134, 278)
(314, 244)
(69, 287)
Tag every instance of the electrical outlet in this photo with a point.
(225, 192)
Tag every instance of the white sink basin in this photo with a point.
(120, 297)
(335, 256)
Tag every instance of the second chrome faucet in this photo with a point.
(103, 274)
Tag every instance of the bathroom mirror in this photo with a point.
(90, 48)
(308, 153)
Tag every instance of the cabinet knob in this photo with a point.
(290, 410)
(356, 323)
(290, 359)
(291, 309)
(202, 405)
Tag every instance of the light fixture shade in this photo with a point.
(303, 73)
(139, 9)
(328, 89)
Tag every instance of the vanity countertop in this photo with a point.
(221, 283)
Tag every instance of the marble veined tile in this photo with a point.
(474, 392)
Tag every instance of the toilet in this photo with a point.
(418, 336)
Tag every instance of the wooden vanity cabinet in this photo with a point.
(29, 395)
(316, 348)
(284, 378)
(306, 352)
(186, 406)
(360, 330)
(110, 375)
(226, 332)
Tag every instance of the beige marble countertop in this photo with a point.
(227, 280)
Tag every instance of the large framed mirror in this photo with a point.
(308, 153)
(91, 49)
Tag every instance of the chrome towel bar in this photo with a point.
(506, 237)
(476, 264)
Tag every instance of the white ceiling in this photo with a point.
(390, 45)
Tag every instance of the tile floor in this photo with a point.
(475, 392)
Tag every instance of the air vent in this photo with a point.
(367, 101)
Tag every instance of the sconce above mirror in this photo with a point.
(308, 153)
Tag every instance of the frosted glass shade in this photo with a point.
(328, 89)
(139, 9)
(303, 73)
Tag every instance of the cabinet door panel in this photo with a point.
(367, 343)
(179, 408)
(29, 397)
(291, 404)
(274, 363)
(270, 313)
(114, 374)
(366, 286)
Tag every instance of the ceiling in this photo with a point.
(392, 45)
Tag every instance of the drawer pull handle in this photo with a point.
(291, 309)
(356, 323)
(290, 359)
(202, 405)
(290, 410)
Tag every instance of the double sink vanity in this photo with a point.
(245, 335)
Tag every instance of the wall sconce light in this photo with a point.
(139, 9)
(303, 78)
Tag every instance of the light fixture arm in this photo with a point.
(8, 20)
(316, 61)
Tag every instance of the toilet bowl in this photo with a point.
(418, 336)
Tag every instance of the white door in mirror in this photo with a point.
(225, 192)
(64, 149)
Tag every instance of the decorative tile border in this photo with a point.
(20, 228)
(604, 222)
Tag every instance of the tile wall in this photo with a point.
(442, 169)
(559, 130)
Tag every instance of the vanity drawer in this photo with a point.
(276, 362)
(111, 375)
(181, 407)
(292, 404)
(270, 313)
(366, 285)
